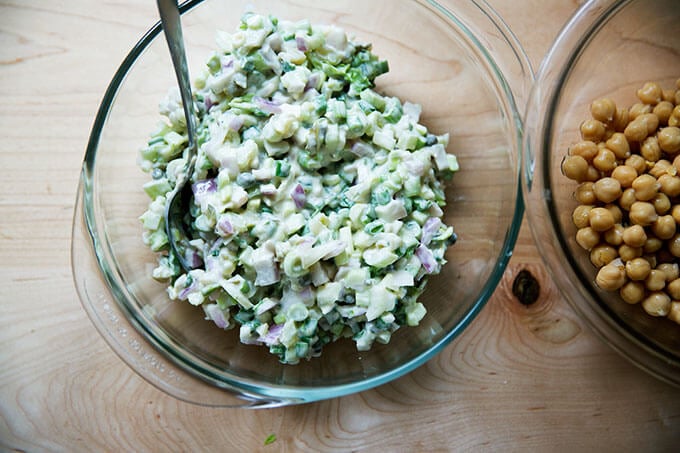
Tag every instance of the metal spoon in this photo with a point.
(178, 202)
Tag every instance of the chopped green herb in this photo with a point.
(270, 439)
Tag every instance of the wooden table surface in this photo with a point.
(518, 378)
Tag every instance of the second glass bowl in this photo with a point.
(608, 49)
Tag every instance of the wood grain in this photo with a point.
(520, 377)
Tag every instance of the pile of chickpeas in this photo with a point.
(628, 170)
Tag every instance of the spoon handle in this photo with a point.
(170, 20)
(178, 198)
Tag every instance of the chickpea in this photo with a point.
(605, 160)
(661, 167)
(650, 149)
(675, 213)
(676, 164)
(618, 144)
(592, 130)
(603, 110)
(674, 312)
(636, 131)
(627, 253)
(638, 269)
(616, 212)
(663, 111)
(627, 199)
(632, 292)
(614, 236)
(601, 219)
(634, 236)
(672, 271)
(587, 238)
(664, 227)
(611, 277)
(669, 139)
(657, 304)
(575, 167)
(673, 289)
(607, 189)
(650, 93)
(603, 254)
(638, 163)
(593, 174)
(646, 187)
(625, 174)
(674, 119)
(637, 110)
(585, 193)
(652, 122)
(642, 213)
(668, 96)
(621, 119)
(586, 149)
(674, 245)
(651, 259)
(580, 216)
(661, 203)
(670, 185)
(652, 245)
(656, 280)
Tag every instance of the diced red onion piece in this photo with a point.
(210, 263)
(301, 43)
(267, 274)
(430, 227)
(268, 189)
(210, 260)
(306, 240)
(185, 292)
(216, 245)
(298, 196)
(272, 335)
(335, 247)
(202, 188)
(194, 259)
(225, 226)
(208, 103)
(306, 294)
(236, 123)
(266, 105)
(312, 82)
(426, 258)
(215, 315)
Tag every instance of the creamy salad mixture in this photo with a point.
(317, 200)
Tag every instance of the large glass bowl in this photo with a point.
(608, 49)
(469, 74)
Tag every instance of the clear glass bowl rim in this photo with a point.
(273, 395)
